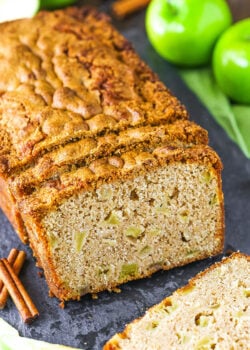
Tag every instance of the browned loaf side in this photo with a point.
(211, 312)
(98, 159)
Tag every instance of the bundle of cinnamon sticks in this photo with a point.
(11, 285)
(123, 8)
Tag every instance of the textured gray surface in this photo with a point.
(89, 323)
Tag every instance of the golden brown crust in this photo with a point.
(8, 205)
(129, 164)
(81, 153)
(72, 79)
(113, 343)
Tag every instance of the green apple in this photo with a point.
(231, 62)
(51, 4)
(11, 340)
(14, 9)
(185, 31)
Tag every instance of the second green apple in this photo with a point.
(231, 62)
(52, 4)
(185, 31)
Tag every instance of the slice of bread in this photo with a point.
(211, 312)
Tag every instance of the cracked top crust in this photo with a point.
(182, 133)
(66, 75)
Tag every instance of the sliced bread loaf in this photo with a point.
(100, 170)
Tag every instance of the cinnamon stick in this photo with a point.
(17, 292)
(123, 8)
(16, 259)
(11, 258)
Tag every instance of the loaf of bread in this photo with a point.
(211, 312)
(100, 169)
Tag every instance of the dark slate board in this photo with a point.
(88, 324)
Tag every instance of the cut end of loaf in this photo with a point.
(211, 312)
(127, 230)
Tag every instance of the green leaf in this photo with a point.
(10, 340)
(234, 119)
(53, 4)
(242, 116)
(4, 346)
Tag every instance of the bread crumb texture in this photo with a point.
(211, 312)
(126, 230)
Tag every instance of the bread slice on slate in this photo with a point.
(211, 312)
